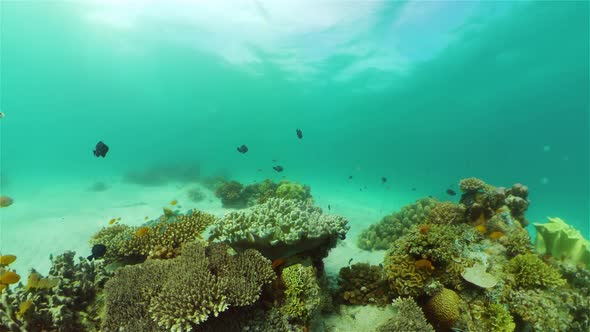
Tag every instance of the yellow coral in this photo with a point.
(443, 308)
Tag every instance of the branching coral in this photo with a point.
(181, 293)
(380, 236)
(363, 284)
(530, 272)
(409, 317)
(281, 228)
(70, 304)
(302, 294)
(162, 239)
(468, 185)
(540, 309)
(230, 193)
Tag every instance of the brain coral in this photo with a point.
(280, 228)
(443, 309)
(380, 236)
(179, 294)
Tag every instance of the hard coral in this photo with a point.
(403, 277)
(293, 190)
(471, 185)
(447, 213)
(281, 228)
(380, 236)
(302, 294)
(540, 310)
(408, 317)
(562, 241)
(230, 194)
(363, 284)
(442, 310)
(530, 272)
(181, 293)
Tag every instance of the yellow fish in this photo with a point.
(173, 202)
(112, 221)
(146, 218)
(9, 277)
(7, 259)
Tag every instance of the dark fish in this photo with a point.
(350, 177)
(349, 261)
(451, 192)
(329, 207)
(413, 189)
(259, 170)
(299, 133)
(98, 250)
(243, 149)
(278, 168)
(383, 179)
(101, 149)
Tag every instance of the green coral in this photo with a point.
(362, 283)
(181, 293)
(562, 241)
(529, 272)
(293, 190)
(380, 236)
(446, 213)
(302, 294)
(281, 228)
(408, 317)
(499, 318)
(541, 310)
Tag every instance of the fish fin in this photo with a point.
(90, 257)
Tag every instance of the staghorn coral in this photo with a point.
(530, 272)
(409, 317)
(230, 193)
(71, 304)
(181, 293)
(442, 309)
(380, 236)
(281, 228)
(446, 213)
(362, 283)
(160, 239)
(303, 297)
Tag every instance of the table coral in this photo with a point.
(380, 236)
(179, 294)
(562, 241)
(281, 228)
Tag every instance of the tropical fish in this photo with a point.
(350, 177)
(9, 277)
(112, 221)
(5, 201)
(101, 149)
(7, 259)
(98, 250)
(299, 133)
(243, 149)
(173, 202)
(141, 231)
(278, 168)
(119, 219)
(383, 179)
(329, 207)
(146, 218)
(451, 192)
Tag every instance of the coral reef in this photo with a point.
(539, 310)
(446, 213)
(409, 317)
(160, 239)
(469, 185)
(529, 272)
(233, 194)
(230, 194)
(362, 283)
(281, 228)
(562, 241)
(66, 301)
(303, 298)
(380, 236)
(181, 293)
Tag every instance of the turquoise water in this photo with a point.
(422, 93)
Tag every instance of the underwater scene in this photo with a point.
(306, 166)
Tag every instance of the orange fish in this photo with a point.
(424, 229)
(112, 221)
(424, 264)
(481, 228)
(7, 259)
(173, 202)
(278, 262)
(5, 201)
(9, 277)
(496, 235)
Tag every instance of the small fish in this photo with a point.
(380, 265)
(101, 149)
(119, 219)
(259, 170)
(173, 202)
(349, 261)
(278, 168)
(1, 115)
(243, 149)
(329, 207)
(98, 250)
(451, 192)
(383, 179)
(413, 189)
(112, 221)
(299, 133)
(350, 177)
(146, 218)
